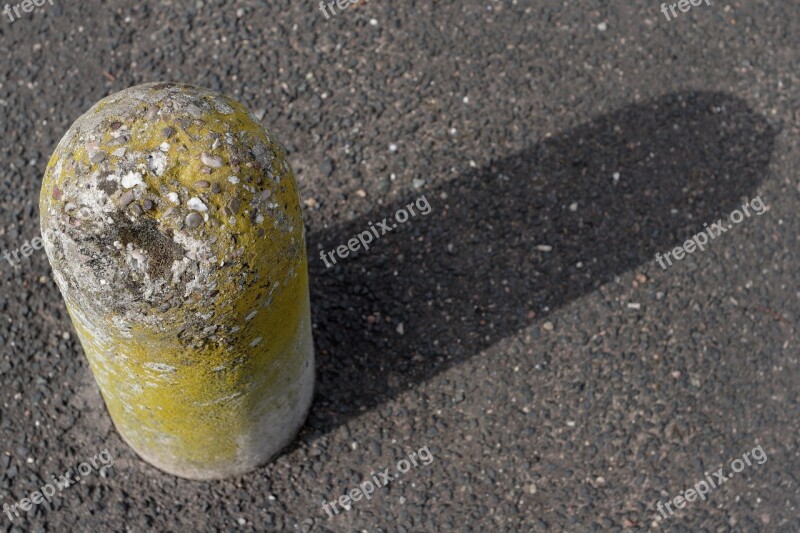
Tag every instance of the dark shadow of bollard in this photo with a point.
(472, 271)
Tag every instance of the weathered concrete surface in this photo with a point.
(173, 225)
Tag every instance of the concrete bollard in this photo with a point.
(173, 225)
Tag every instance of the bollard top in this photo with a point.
(169, 206)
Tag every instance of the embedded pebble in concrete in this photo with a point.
(193, 220)
(211, 160)
(196, 204)
(148, 253)
(126, 199)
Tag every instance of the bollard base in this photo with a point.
(282, 415)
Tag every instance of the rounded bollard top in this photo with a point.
(169, 206)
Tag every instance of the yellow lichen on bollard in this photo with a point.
(173, 226)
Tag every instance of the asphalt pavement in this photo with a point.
(521, 338)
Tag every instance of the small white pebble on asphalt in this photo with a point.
(544, 247)
(373, 22)
(570, 423)
(418, 183)
(242, 521)
(400, 328)
(573, 206)
(354, 445)
(30, 460)
(633, 305)
(362, 193)
(615, 176)
(392, 147)
(173, 197)
(602, 26)
(548, 326)
(466, 99)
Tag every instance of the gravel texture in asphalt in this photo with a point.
(521, 333)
